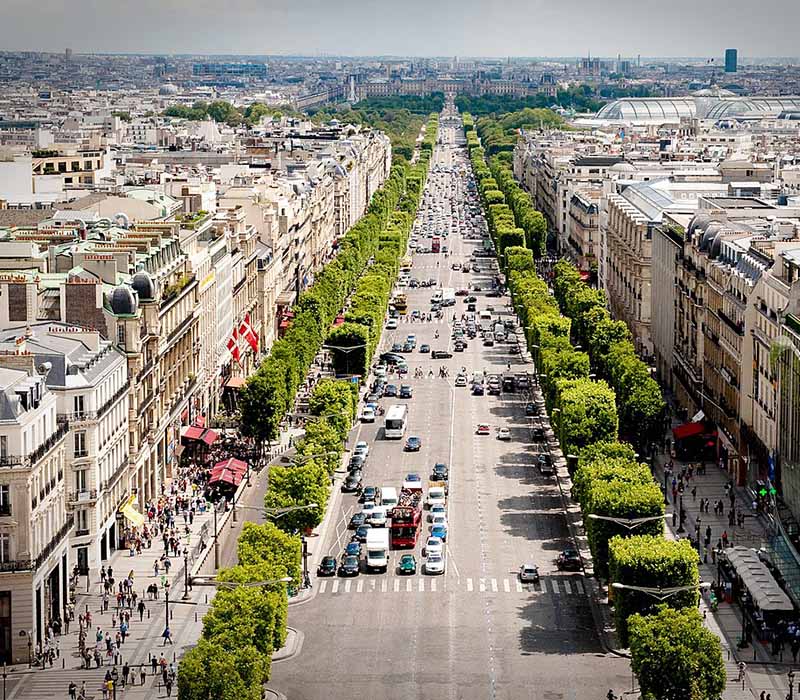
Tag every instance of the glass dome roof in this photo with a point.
(648, 109)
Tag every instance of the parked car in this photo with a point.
(327, 567)
(569, 560)
(545, 463)
(357, 520)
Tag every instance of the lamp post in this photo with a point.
(681, 517)
(629, 523)
(166, 599)
(791, 685)
(659, 593)
(305, 560)
(185, 574)
(666, 498)
(5, 675)
(30, 649)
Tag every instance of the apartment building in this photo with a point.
(35, 524)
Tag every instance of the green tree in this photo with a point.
(268, 544)
(650, 562)
(210, 670)
(298, 486)
(675, 657)
(263, 401)
(347, 361)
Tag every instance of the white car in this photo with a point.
(437, 510)
(503, 434)
(367, 507)
(461, 380)
(435, 564)
(368, 415)
(380, 371)
(377, 517)
(433, 545)
(362, 447)
(391, 324)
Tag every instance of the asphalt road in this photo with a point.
(476, 631)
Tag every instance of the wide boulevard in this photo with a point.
(476, 631)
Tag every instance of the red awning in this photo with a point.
(283, 324)
(236, 465)
(235, 382)
(231, 471)
(585, 275)
(688, 430)
(200, 421)
(192, 433)
(210, 437)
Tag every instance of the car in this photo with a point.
(411, 338)
(425, 348)
(433, 545)
(495, 293)
(356, 463)
(514, 350)
(380, 372)
(368, 494)
(361, 533)
(407, 564)
(569, 560)
(471, 299)
(437, 509)
(408, 347)
(350, 566)
(459, 346)
(503, 434)
(413, 444)
(392, 358)
(439, 531)
(413, 477)
(327, 567)
(462, 293)
(441, 354)
(353, 549)
(362, 447)
(405, 391)
(439, 472)
(390, 391)
(391, 324)
(367, 415)
(461, 380)
(530, 409)
(482, 429)
(477, 390)
(545, 464)
(366, 508)
(357, 520)
(378, 517)
(397, 347)
(528, 573)
(352, 482)
(538, 433)
(488, 340)
(471, 307)
(435, 564)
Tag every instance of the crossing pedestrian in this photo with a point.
(73, 690)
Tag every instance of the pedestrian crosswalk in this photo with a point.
(547, 585)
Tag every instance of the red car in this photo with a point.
(462, 293)
(483, 429)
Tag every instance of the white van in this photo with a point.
(436, 496)
(485, 315)
(388, 497)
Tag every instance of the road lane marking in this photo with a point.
(421, 585)
(518, 585)
(482, 585)
(567, 587)
(384, 585)
(360, 586)
(494, 585)
(396, 585)
(469, 584)
(408, 586)
(554, 584)
(506, 586)
(335, 586)
(347, 586)
(579, 586)
(322, 586)
(433, 585)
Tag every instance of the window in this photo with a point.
(76, 165)
(80, 443)
(5, 548)
(80, 480)
(82, 522)
(5, 499)
(87, 165)
(3, 446)
(78, 404)
(121, 335)
(62, 167)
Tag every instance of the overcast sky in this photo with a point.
(405, 27)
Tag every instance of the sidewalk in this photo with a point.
(764, 671)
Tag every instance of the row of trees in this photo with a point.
(673, 655)
(245, 624)
(609, 343)
(226, 113)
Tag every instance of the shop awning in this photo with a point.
(193, 432)
(688, 430)
(235, 382)
(231, 471)
(128, 509)
(210, 437)
(585, 275)
(762, 586)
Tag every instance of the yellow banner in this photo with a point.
(130, 512)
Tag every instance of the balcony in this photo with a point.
(737, 328)
(55, 541)
(85, 496)
(10, 567)
(50, 443)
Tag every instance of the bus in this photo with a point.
(394, 427)
(400, 304)
(436, 244)
(406, 264)
(448, 296)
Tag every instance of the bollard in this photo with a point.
(754, 652)
(195, 617)
(174, 657)
(171, 614)
(148, 614)
(63, 663)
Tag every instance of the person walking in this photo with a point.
(73, 690)
(167, 635)
(142, 674)
(141, 607)
(742, 671)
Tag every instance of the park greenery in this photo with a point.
(227, 113)
(595, 387)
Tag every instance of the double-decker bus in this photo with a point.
(400, 304)
(394, 426)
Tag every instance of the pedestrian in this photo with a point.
(742, 670)
(724, 538)
(694, 493)
(73, 689)
(167, 635)
(153, 664)
(125, 673)
(142, 675)
(141, 608)
(155, 568)
(168, 686)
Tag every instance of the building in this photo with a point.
(35, 524)
(731, 57)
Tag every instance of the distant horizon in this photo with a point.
(414, 28)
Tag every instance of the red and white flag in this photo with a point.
(233, 346)
(247, 332)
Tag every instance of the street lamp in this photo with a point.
(5, 675)
(276, 513)
(681, 516)
(166, 599)
(629, 523)
(231, 585)
(185, 595)
(791, 685)
(659, 593)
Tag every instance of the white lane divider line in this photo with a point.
(347, 585)
(322, 586)
(360, 586)
(396, 585)
(506, 586)
(469, 585)
(335, 587)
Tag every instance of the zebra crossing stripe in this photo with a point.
(554, 584)
(482, 585)
(335, 587)
(494, 585)
(567, 586)
(433, 585)
(408, 586)
(506, 586)
(421, 585)
(396, 585)
(384, 585)
(347, 585)
(360, 586)
(469, 585)
(323, 585)
(518, 585)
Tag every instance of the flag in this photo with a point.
(247, 332)
(233, 345)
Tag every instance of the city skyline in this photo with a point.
(279, 27)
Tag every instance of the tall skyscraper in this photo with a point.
(731, 56)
